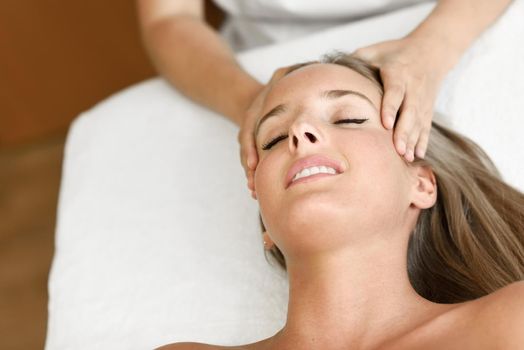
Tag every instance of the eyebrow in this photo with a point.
(328, 94)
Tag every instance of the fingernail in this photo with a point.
(389, 121)
(420, 153)
(401, 146)
(250, 162)
(411, 155)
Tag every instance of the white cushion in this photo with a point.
(157, 236)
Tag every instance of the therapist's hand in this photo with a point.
(411, 74)
(246, 134)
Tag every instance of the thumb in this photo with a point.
(252, 156)
(363, 53)
(248, 152)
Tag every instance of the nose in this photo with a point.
(303, 134)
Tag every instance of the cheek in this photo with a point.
(378, 176)
(266, 176)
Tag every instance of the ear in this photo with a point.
(268, 242)
(424, 190)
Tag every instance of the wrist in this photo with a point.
(246, 91)
(435, 52)
(451, 28)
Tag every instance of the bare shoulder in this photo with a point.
(502, 315)
(493, 321)
(502, 306)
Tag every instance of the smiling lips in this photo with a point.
(323, 163)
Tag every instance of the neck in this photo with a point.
(356, 298)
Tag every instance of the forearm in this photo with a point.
(193, 57)
(453, 25)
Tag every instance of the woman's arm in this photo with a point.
(453, 25)
(194, 58)
(412, 68)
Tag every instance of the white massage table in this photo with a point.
(157, 236)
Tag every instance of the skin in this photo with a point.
(331, 227)
(345, 237)
(411, 68)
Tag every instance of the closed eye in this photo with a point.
(277, 139)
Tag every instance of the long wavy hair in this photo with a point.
(471, 242)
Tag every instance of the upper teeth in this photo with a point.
(314, 170)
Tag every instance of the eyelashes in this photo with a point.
(273, 142)
(277, 139)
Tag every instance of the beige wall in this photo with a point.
(59, 57)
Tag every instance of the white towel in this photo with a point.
(157, 236)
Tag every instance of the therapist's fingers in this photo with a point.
(279, 73)
(394, 90)
(366, 53)
(422, 143)
(251, 179)
(248, 151)
(246, 138)
(407, 130)
(413, 137)
(251, 153)
(414, 133)
(411, 77)
(248, 154)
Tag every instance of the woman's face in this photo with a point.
(328, 212)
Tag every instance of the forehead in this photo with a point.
(308, 81)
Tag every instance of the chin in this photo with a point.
(312, 212)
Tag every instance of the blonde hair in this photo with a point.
(471, 242)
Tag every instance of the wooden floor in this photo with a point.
(29, 182)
